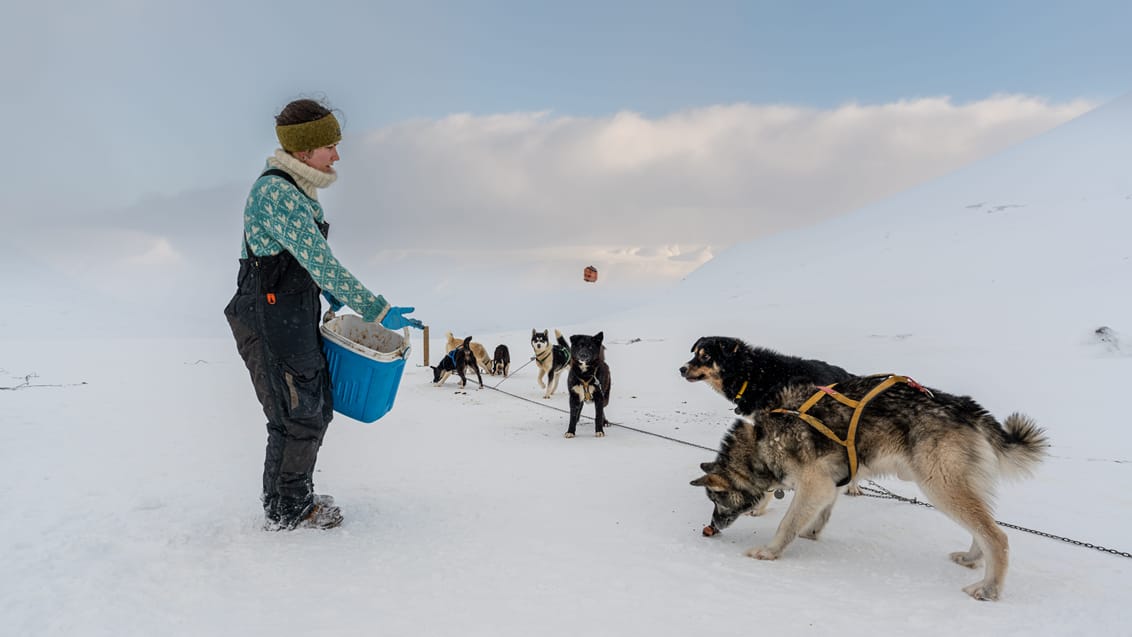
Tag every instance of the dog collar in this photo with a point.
(741, 390)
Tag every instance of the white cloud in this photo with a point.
(710, 176)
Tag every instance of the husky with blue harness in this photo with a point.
(456, 361)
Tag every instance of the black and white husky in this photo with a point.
(551, 359)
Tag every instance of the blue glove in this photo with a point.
(395, 319)
(335, 304)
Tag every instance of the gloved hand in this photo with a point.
(335, 304)
(395, 319)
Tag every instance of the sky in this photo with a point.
(504, 140)
(134, 464)
(154, 98)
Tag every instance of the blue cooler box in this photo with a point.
(366, 362)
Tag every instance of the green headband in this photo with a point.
(309, 135)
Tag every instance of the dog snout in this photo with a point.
(684, 370)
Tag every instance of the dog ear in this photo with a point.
(598, 337)
(696, 345)
(712, 481)
(532, 332)
(467, 340)
(708, 467)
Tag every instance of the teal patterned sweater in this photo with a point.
(280, 217)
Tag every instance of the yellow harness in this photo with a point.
(858, 406)
(588, 388)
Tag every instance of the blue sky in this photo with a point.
(504, 140)
(114, 101)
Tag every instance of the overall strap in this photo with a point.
(278, 172)
(276, 271)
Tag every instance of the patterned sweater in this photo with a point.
(280, 217)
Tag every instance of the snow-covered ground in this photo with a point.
(131, 506)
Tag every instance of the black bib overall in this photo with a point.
(274, 317)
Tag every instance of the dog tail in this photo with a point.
(561, 339)
(1023, 447)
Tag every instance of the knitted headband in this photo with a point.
(309, 135)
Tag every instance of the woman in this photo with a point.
(285, 263)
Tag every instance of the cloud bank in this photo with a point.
(425, 209)
(707, 177)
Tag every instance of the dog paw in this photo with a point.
(569, 435)
(963, 558)
(853, 490)
(600, 434)
(982, 591)
(762, 553)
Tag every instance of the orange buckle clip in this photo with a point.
(271, 298)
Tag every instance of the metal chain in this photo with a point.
(608, 423)
(877, 491)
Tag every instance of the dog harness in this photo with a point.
(588, 388)
(550, 352)
(858, 406)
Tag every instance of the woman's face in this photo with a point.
(321, 159)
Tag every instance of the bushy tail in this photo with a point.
(1025, 446)
(561, 339)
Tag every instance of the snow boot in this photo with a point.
(319, 513)
(322, 516)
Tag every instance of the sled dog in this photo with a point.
(948, 445)
(456, 360)
(751, 377)
(478, 350)
(501, 362)
(551, 359)
(589, 379)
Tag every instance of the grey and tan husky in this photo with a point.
(948, 445)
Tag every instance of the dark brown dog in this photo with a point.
(501, 362)
(752, 377)
(589, 379)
